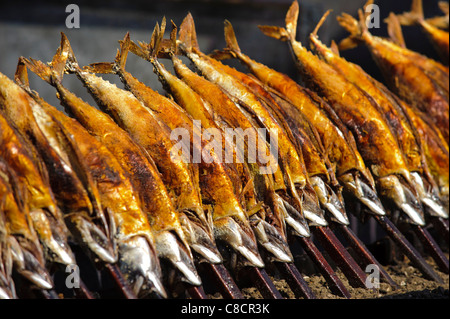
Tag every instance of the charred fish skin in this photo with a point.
(374, 138)
(399, 121)
(345, 160)
(7, 288)
(214, 180)
(24, 159)
(404, 76)
(74, 190)
(193, 103)
(28, 256)
(289, 160)
(124, 107)
(439, 38)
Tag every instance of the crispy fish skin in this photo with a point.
(400, 123)
(23, 158)
(74, 192)
(216, 186)
(357, 110)
(193, 103)
(339, 145)
(439, 38)
(404, 76)
(133, 117)
(7, 288)
(228, 79)
(27, 253)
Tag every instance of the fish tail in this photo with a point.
(354, 27)
(395, 29)
(320, 24)
(232, 45)
(65, 48)
(41, 69)
(284, 34)
(415, 16)
(187, 35)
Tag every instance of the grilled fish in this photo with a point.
(399, 121)
(217, 190)
(358, 112)
(406, 76)
(46, 215)
(74, 190)
(268, 236)
(290, 161)
(439, 38)
(27, 253)
(304, 110)
(133, 117)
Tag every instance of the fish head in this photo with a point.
(429, 196)
(138, 261)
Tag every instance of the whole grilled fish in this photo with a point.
(74, 190)
(358, 112)
(27, 253)
(301, 194)
(133, 117)
(217, 189)
(45, 213)
(7, 288)
(268, 236)
(401, 125)
(406, 76)
(439, 38)
(306, 109)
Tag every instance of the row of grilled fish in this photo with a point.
(108, 177)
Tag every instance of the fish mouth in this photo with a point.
(30, 266)
(232, 233)
(178, 254)
(139, 262)
(94, 238)
(363, 193)
(199, 239)
(53, 236)
(271, 239)
(293, 217)
(330, 201)
(428, 196)
(397, 192)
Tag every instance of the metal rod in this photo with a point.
(83, 292)
(196, 292)
(407, 249)
(261, 280)
(120, 281)
(355, 275)
(432, 248)
(442, 228)
(49, 294)
(295, 280)
(364, 254)
(223, 280)
(335, 284)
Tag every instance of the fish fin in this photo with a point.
(100, 68)
(66, 49)
(320, 24)
(221, 55)
(355, 28)
(230, 37)
(122, 53)
(284, 34)
(41, 69)
(187, 34)
(21, 75)
(395, 30)
(415, 16)
(335, 48)
(444, 6)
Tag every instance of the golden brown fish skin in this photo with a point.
(28, 256)
(399, 121)
(7, 288)
(227, 78)
(404, 76)
(75, 193)
(23, 158)
(439, 38)
(358, 112)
